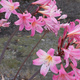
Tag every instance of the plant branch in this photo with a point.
(29, 55)
(3, 52)
(34, 75)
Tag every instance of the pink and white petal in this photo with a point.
(2, 10)
(21, 27)
(16, 4)
(6, 24)
(33, 32)
(54, 19)
(44, 69)
(27, 27)
(67, 63)
(66, 52)
(18, 22)
(7, 14)
(62, 70)
(14, 12)
(53, 68)
(71, 73)
(41, 54)
(10, 1)
(38, 61)
(56, 59)
(73, 61)
(39, 29)
(55, 77)
(51, 51)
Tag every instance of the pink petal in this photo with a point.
(10, 1)
(2, 10)
(21, 27)
(51, 51)
(54, 19)
(18, 22)
(73, 61)
(55, 77)
(53, 68)
(33, 32)
(56, 59)
(39, 29)
(44, 69)
(16, 4)
(71, 73)
(14, 12)
(40, 53)
(28, 27)
(67, 63)
(7, 15)
(38, 61)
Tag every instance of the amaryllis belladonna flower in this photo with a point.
(8, 7)
(47, 60)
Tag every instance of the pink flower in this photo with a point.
(4, 23)
(73, 54)
(76, 71)
(47, 60)
(51, 26)
(24, 21)
(42, 2)
(63, 17)
(51, 11)
(8, 7)
(36, 25)
(74, 30)
(63, 75)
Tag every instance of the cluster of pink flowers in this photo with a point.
(66, 48)
(67, 53)
(30, 22)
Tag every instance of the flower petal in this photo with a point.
(41, 54)
(53, 68)
(33, 32)
(38, 61)
(21, 27)
(57, 59)
(7, 15)
(51, 51)
(44, 69)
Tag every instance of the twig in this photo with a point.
(34, 75)
(29, 55)
(2, 55)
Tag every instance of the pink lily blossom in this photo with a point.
(73, 54)
(51, 26)
(24, 21)
(76, 71)
(50, 4)
(8, 7)
(47, 60)
(51, 12)
(63, 75)
(74, 30)
(36, 24)
(42, 2)
(4, 23)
